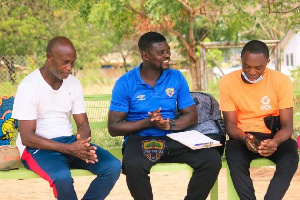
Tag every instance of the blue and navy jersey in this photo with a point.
(135, 97)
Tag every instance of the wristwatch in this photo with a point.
(172, 124)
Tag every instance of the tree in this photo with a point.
(90, 42)
(27, 25)
(190, 21)
(127, 48)
(24, 26)
(23, 30)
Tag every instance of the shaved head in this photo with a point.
(57, 41)
(61, 56)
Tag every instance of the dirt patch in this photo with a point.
(166, 186)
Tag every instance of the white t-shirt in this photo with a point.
(52, 109)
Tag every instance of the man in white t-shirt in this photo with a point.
(44, 102)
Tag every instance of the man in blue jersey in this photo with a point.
(143, 109)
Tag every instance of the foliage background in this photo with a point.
(99, 27)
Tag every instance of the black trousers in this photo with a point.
(206, 164)
(239, 158)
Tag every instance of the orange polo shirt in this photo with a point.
(253, 102)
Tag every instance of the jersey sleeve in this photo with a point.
(120, 101)
(78, 101)
(184, 97)
(226, 101)
(26, 103)
(285, 94)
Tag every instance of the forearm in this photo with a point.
(188, 117)
(83, 127)
(232, 130)
(84, 131)
(235, 133)
(121, 128)
(185, 121)
(286, 130)
(38, 142)
(282, 135)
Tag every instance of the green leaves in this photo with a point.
(22, 27)
(96, 26)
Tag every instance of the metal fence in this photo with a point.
(13, 69)
(97, 107)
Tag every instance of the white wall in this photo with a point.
(291, 47)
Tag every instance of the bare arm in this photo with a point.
(83, 127)
(230, 119)
(117, 126)
(80, 148)
(29, 138)
(269, 146)
(286, 121)
(188, 117)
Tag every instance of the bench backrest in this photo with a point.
(97, 107)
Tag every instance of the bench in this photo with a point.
(23, 173)
(231, 192)
(97, 109)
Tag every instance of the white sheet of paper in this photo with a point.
(194, 139)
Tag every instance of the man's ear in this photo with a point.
(144, 55)
(48, 54)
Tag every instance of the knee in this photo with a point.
(108, 168)
(293, 160)
(114, 168)
(236, 159)
(237, 164)
(212, 162)
(288, 157)
(62, 179)
(289, 163)
(115, 165)
(133, 166)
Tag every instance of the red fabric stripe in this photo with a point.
(36, 168)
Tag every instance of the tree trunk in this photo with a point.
(125, 64)
(195, 75)
(195, 70)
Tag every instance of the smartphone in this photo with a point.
(254, 143)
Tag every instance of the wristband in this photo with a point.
(172, 124)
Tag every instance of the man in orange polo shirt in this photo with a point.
(251, 100)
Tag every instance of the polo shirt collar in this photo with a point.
(141, 81)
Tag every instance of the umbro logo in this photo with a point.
(141, 97)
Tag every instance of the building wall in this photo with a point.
(291, 51)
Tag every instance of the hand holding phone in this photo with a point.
(252, 143)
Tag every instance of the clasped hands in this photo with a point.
(82, 149)
(158, 121)
(265, 147)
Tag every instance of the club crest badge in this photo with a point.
(153, 149)
(170, 92)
